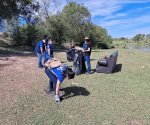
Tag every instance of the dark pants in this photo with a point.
(52, 81)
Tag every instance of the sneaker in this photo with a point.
(57, 99)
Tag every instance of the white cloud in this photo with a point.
(125, 22)
(106, 8)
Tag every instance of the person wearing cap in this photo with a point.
(39, 49)
(57, 72)
(87, 53)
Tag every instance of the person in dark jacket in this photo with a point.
(39, 49)
(87, 53)
(71, 52)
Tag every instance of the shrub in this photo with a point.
(5, 35)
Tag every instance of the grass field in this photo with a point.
(121, 98)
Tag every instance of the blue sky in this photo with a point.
(121, 18)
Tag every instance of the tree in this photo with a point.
(15, 8)
(100, 35)
(55, 27)
(75, 18)
(138, 37)
(11, 11)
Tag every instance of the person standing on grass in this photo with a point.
(39, 49)
(47, 51)
(87, 53)
(57, 72)
(71, 52)
(49, 48)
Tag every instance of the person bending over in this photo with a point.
(57, 72)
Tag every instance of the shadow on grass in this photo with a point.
(74, 91)
(93, 59)
(118, 68)
(9, 53)
(63, 61)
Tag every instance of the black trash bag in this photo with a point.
(70, 54)
(79, 63)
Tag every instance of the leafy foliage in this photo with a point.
(73, 23)
(100, 35)
(15, 8)
(75, 19)
(138, 37)
(23, 35)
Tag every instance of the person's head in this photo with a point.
(87, 39)
(45, 38)
(50, 41)
(70, 74)
(72, 44)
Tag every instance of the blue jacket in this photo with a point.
(38, 46)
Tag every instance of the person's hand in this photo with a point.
(55, 59)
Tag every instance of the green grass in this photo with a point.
(120, 98)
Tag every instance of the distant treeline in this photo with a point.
(138, 40)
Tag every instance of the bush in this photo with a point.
(26, 35)
(5, 35)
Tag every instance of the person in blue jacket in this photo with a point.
(39, 49)
(57, 72)
(87, 53)
(49, 48)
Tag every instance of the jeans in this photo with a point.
(87, 59)
(52, 81)
(39, 60)
(47, 57)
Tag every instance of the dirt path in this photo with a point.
(19, 74)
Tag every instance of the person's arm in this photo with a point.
(58, 85)
(49, 51)
(79, 48)
(41, 48)
(88, 50)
